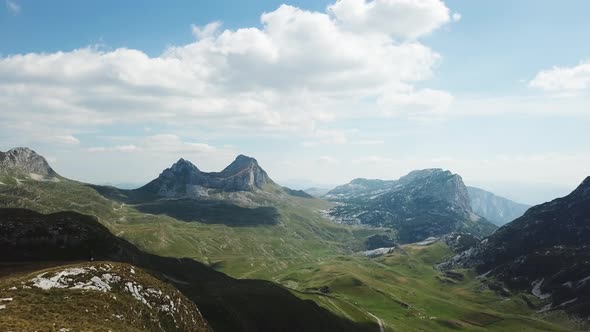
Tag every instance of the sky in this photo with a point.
(319, 92)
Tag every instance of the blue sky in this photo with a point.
(320, 92)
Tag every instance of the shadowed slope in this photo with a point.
(227, 304)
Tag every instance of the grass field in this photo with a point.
(407, 293)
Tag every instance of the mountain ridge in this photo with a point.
(497, 209)
(545, 252)
(421, 204)
(184, 179)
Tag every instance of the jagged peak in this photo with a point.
(21, 149)
(27, 160)
(240, 163)
(181, 163)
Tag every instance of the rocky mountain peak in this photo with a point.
(183, 179)
(25, 160)
(241, 163)
(437, 183)
(183, 165)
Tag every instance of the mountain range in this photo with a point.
(238, 252)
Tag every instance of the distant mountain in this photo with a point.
(424, 203)
(317, 192)
(297, 193)
(184, 179)
(359, 187)
(25, 161)
(546, 251)
(496, 209)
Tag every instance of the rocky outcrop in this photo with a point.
(424, 203)
(183, 179)
(130, 300)
(496, 209)
(359, 187)
(546, 251)
(25, 160)
(379, 241)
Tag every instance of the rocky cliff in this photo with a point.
(26, 161)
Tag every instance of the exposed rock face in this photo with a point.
(460, 241)
(25, 160)
(546, 251)
(379, 241)
(184, 179)
(359, 187)
(422, 204)
(496, 209)
(130, 298)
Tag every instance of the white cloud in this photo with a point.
(327, 160)
(63, 139)
(563, 79)
(13, 6)
(299, 71)
(162, 143)
(118, 148)
(398, 18)
(207, 31)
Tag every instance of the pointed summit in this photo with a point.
(239, 164)
(245, 174)
(183, 179)
(25, 160)
(183, 165)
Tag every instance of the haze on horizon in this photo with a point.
(320, 92)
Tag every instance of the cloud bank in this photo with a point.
(296, 72)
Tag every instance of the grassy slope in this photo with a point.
(402, 289)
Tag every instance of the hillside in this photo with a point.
(545, 252)
(30, 239)
(422, 204)
(496, 209)
(113, 296)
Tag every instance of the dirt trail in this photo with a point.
(379, 321)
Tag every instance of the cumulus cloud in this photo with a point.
(300, 70)
(398, 18)
(563, 79)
